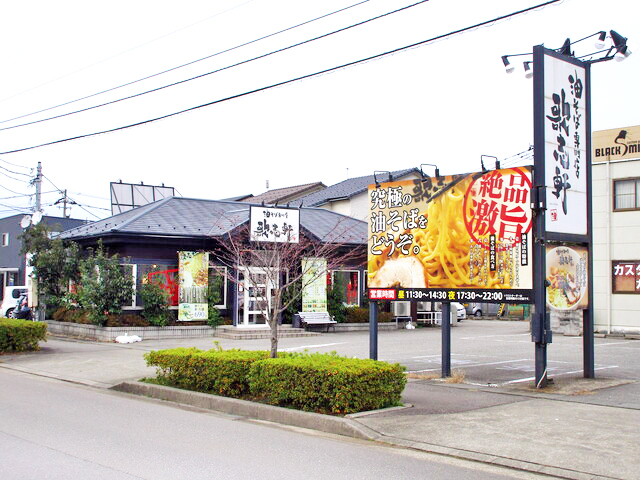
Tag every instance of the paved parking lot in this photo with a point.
(488, 352)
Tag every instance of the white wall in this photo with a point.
(616, 236)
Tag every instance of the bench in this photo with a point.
(310, 319)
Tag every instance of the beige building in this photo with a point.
(616, 230)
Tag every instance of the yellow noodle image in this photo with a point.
(445, 246)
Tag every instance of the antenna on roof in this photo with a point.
(375, 176)
(482, 157)
(437, 172)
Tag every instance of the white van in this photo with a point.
(11, 295)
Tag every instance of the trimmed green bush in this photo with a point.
(213, 371)
(21, 335)
(361, 315)
(327, 383)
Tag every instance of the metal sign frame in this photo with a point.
(541, 324)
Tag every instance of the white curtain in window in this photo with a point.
(625, 194)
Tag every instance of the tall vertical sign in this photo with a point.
(193, 285)
(314, 281)
(562, 197)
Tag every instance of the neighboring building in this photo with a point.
(151, 236)
(282, 196)
(350, 196)
(616, 229)
(12, 264)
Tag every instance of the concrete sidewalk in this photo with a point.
(579, 428)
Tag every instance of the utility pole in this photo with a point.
(64, 205)
(38, 183)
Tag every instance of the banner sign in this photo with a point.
(626, 277)
(458, 238)
(314, 282)
(565, 139)
(280, 225)
(567, 277)
(193, 285)
(616, 144)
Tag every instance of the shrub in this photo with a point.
(327, 383)
(214, 318)
(219, 372)
(155, 302)
(357, 315)
(21, 335)
(104, 287)
(361, 315)
(336, 300)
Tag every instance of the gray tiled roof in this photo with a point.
(348, 188)
(282, 195)
(194, 218)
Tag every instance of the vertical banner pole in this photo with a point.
(373, 330)
(588, 350)
(446, 340)
(540, 317)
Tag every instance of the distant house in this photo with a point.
(151, 237)
(12, 264)
(282, 196)
(350, 197)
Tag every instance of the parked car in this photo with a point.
(11, 296)
(457, 310)
(483, 309)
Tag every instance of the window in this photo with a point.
(131, 269)
(626, 194)
(164, 275)
(218, 277)
(5, 239)
(626, 276)
(349, 280)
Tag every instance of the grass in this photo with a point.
(457, 376)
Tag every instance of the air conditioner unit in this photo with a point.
(401, 309)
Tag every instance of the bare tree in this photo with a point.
(271, 268)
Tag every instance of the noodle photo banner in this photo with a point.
(458, 238)
(567, 277)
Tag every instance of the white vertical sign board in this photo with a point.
(565, 146)
(269, 224)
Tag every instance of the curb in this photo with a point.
(259, 411)
(346, 426)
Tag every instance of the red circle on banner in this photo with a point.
(499, 203)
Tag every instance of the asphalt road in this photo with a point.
(59, 430)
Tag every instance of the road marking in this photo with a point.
(607, 344)
(493, 336)
(304, 347)
(528, 379)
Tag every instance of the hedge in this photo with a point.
(361, 315)
(21, 335)
(327, 383)
(213, 371)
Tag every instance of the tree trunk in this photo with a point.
(274, 338)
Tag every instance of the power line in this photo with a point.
(15, 164)
(8, 189)
(12, 178)
(19, 195)
(117, 55)
(228, 67)
(293, 80)
(15, 173)
(183, 65)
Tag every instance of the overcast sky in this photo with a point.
(446, 102)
